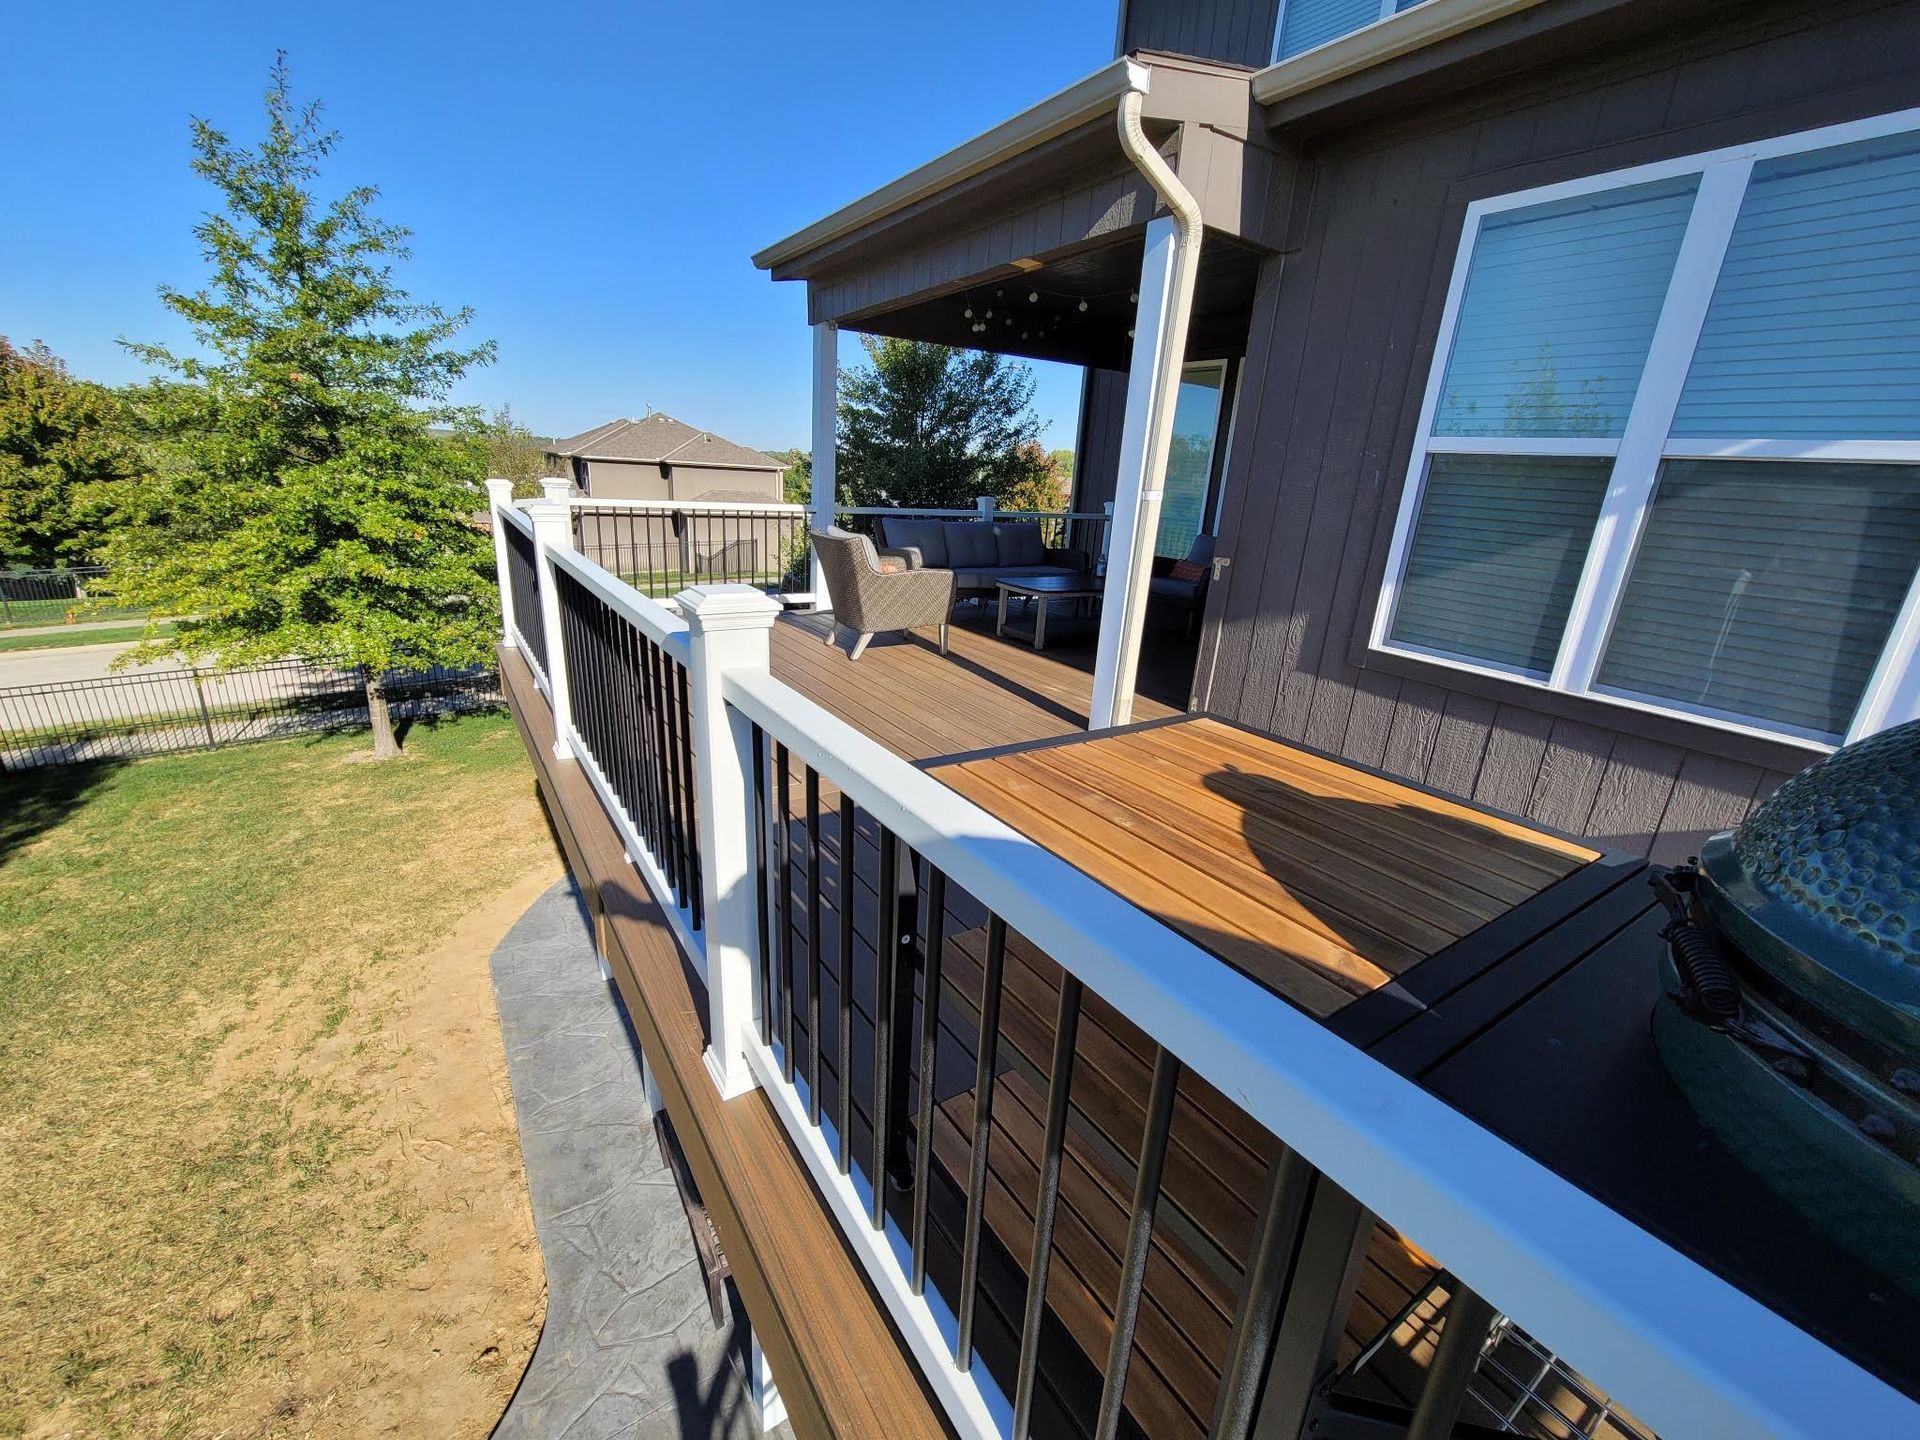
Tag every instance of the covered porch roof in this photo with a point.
(1047, 205)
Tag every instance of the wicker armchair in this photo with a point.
(867, 599)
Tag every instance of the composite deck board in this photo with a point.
(1322, 881)
(922, 705)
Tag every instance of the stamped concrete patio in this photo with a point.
(629, 1348)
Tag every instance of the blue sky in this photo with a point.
(591, 179)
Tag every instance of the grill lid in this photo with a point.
(1820, 886)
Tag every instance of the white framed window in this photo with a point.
(1669, 452)
(1304, 24)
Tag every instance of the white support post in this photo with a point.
(1159, 341)
(729, 628)
(499, 497)
(553, 530)
(826, 431)
(556, 489)
(766, 1395)
(986, 505)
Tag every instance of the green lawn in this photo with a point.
(66, 639)
(16, 613)
(200, 968)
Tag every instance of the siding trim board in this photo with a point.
(1325, 437)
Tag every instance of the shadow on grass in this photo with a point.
(34, 801)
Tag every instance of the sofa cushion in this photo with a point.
(971, 544)
(926, 536)
(1020, 542)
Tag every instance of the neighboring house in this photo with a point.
(1574, 343)
(660, 458)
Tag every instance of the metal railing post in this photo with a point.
(553, 530)
(499, 497)
(729, 629)
(986, 505)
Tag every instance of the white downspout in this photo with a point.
(1169, 271)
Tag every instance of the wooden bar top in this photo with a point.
(1321, 880)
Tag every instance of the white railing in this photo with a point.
(1685, 1350)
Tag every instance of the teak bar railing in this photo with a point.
(659, 710)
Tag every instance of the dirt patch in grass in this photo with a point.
(256, 1142)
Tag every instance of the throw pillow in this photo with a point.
(892, 566)
(1191, 570)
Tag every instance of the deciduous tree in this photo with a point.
(931, 426)
(306, 509)
(62, 443)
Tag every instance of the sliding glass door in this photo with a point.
(1188, 508)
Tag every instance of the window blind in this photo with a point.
(1559, 309)
(1814, 329)
(1766, 590)
(1496, 553)
(1307, 23)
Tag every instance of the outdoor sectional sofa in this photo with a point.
(981, 553)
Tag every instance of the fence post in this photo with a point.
(201, 696)
(729, 628)
(986, 505)
(553, 530)
(499, 497)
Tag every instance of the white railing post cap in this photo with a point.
(556, 489)
(499, 491)
(713, 608)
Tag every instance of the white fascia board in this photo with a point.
(1059, 113)
(1387, 39)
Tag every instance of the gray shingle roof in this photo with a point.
(661, 438)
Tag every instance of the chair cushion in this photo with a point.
(926, 536)
(1201, 552)
(1020, 542)
(971, 544)
(1167, 587)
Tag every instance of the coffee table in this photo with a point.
(1043, 590)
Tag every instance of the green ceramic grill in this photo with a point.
(1792, 1013)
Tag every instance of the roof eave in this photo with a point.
(1399, 34)
(1059, 113)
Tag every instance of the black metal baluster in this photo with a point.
(783, 943)
(906, 882)
(986, 1060)
(929, 1056)
(885, 981)
(697, 900)
(1066, 1025)
(1133, 1269)
(765, 955)
(813, 945)
(1289, 1180)
(670, 704)
(844, 1055)
(643, 711)
(666, 856)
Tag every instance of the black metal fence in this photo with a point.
(156, 712)
(662, 551)
(43, 597)
(630, 704)
(523, 580)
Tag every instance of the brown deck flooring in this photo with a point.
(984, 693)
(1320, 880)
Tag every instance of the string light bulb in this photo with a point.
(967, 313)
(1083, 307)
(1033, 297)
(1133, 297)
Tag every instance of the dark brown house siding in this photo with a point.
(1342, 336)
(1240, 31)
(1096, 463)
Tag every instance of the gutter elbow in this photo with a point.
(1150, 163)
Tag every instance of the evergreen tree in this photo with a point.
(925, 425)
(62, 444)
(304, 507)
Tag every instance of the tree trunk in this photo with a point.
(385, 747)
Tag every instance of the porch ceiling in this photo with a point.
(1054, 326)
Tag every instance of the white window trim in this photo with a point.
(1892, 694)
